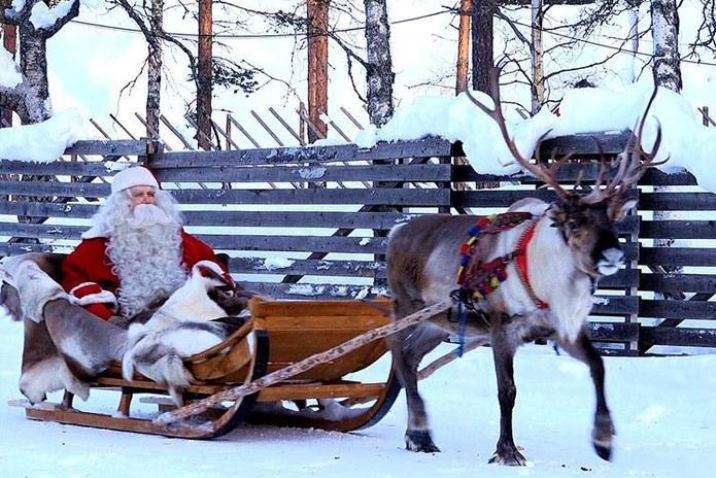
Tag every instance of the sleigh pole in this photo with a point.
(169, 419)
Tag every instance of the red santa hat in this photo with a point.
(130, 177)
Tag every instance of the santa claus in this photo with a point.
(136, 253)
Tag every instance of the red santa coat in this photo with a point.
(87, 272)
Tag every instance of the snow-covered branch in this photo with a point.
(49, 20)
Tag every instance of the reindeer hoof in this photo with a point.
(420, 440)
(509, 457)
(603, 436)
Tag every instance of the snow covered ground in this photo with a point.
(663, 409)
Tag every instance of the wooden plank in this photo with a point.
(616, 305)
(401, 197)
(623, 279)
(364, 245)
(594, 144)
(257, 265)
(678, 229)
(313, 219)
(335, 308)
(680, 336)
(423, 173)
(613, 331)
(41, 231)
(677, 201)
(318, 390)
(699, 283)
(676, 309)
(55, 188)
(314, 291)
(655, 177)
(64, 168)
(95, 420)
(117, 147)
(11, 249)
(316, 154)
(678, 256)
(38, 209)
(502, 198)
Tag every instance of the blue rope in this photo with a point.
(462, 325)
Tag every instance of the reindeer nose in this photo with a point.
(610, 261)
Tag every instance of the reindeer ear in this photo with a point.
(617, 212)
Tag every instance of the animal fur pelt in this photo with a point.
(64, 346)
(183, 326)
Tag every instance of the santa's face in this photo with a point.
(142, 195)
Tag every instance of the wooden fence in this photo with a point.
(311, 222)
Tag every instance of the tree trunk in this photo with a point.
(665, 32)
(463, 47)
(9, 39)
(203, 97)
(482, 44)
(633, 16)
(537, 53)
(154, 71)
(33, 64)
(379, 73)
(667, 74)
(317, 66)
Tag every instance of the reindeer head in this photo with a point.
(212, 276)
(587, 220)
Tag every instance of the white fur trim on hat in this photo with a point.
(130, 177)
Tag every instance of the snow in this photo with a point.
(275, 262)
(43, 16)
(686, 143)
(10, 76)
(662, 407)
(42, 142)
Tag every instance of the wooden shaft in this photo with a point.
(463, 47)
(304, 365)
(125, 402)
(317, 66)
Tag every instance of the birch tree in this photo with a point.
(154, 69)
(665, 32)
(667, 74)
(37, 22)
(379, 68)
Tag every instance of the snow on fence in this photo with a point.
(291, 231)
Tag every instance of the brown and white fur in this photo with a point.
(574, 244)
(64, 345)
(183, 326)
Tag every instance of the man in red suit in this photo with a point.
(136, 252)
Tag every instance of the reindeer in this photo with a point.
(573, 243)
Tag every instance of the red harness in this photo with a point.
(479, 279)
(523, 271)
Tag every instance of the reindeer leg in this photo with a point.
(603, 433)
(503, 351)
(408, 349)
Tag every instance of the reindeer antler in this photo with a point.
(633, 163)
(545, 174)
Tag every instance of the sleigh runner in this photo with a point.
(278, 335)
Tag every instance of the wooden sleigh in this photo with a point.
(279, 333)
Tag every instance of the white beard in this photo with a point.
(145, 249)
